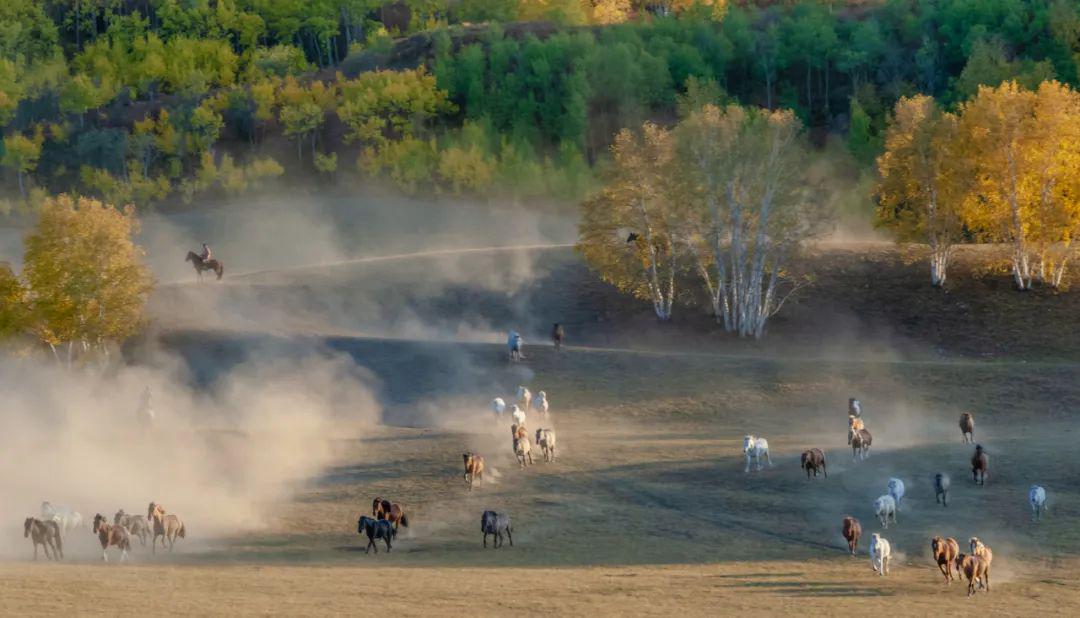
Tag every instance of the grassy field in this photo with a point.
(647, 510)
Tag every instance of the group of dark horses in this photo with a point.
(383, 524)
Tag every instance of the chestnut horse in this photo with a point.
(967, 427)
(45, 533)
(474, 468)
(980, 463)
(203, 265)
(814, 459)
(390, 511)
(860, 444)
(168, 527)
(852, 531)
(945, 552)
(976, 569)
(111, 536)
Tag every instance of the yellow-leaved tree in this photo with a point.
(13, 310)
(925, 178)
(86, 281)
(627, 231)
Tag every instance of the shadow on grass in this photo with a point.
(809, 589)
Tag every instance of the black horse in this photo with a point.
(202, 265)
(375, 529)
(495, 524)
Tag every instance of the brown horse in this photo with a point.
(204, 265)
(46, 534)
(852, 531)
(814, 459)
(967, 427)
(111, 536)
(980, 463)
(945, 552)
(860, 444)
(976, 569)
(390, 511)
(474, 468)
(168, 527)
(136, 526)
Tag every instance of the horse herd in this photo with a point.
(974, 566)
(57, 521)
(387, 517)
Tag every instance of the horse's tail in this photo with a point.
(404, 520)
(220, 270)
(182, 532)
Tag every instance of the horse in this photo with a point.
(524, 397)
(941, 489)
(498, 406)
(852, 530)
(540, 404)
(557, 336)
(854, 424)
(976, 569)
(495, 524)
(168, 527)
(854, 408)
(860, 444)
(545, 439)
(375, 529)
(980, 549)
(754, 448)
(136, 526)
(523, 451)
(945, 552)
(518, 414)
(896, 490)
(111, 536)
(45, 533)
(204, 265)
(884, 508)
(967, 427)
(514, 343)
(474, 468)
(67, 517)
(814, 459)
(880, 553)
(980, 463)
(390, 511)
(1037, 500)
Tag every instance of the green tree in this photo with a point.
(21, 154)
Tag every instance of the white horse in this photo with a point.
(896, 490)
(524, 397)
(884, 508)
(880, 553)
(1037, 500)
(65, 516)
(755, 448)
(498, 406)
(514, 343)
(518, 414)
(540, 404)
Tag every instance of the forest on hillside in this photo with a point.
(158, 102)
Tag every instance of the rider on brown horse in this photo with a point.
(206, 253)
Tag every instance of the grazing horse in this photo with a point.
(545, 439)
(136, 526)
(945, 552)
(860, 444)
(524, 398)
(854, 408)
(523, 450)
(203, 265)
(375, 529)
(474, 468)
(557, 336)
(540, 405)
(896, 490)
(390, 511)
(854, 424)
(852, 530)
(45, 533)
(514, 343)
(980, 463)
(755, 448)
(1037, 500)
(495, 524)
(498, 406)
(884, 508)
(975, 569)
(168, 527)
(941, 488)
(967, 427)
(67, 517)
(880, 553)
(111, 536)
(814, 459)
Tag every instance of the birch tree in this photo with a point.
(749, 209)
(626, 232)
(924, 179)
(87, 284)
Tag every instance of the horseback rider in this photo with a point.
(206, 253)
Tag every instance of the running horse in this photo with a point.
(390, 511)
(202, 265)
(168, 527)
